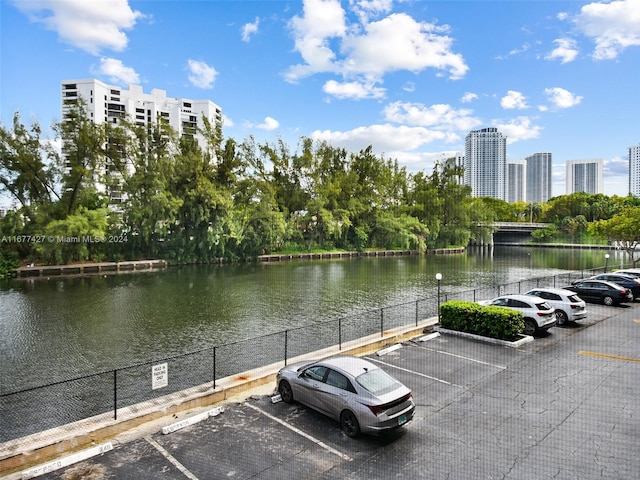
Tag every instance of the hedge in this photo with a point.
(489, 321)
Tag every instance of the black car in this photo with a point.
(601, 291)
(627, 281)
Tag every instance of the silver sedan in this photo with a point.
(355, 392)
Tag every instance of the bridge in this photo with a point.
(513, 232)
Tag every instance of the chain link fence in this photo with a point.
(38, 409)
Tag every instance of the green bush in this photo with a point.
(496, 322)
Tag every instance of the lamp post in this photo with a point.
(438, 278)
(606, 262)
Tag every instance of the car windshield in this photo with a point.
(377, 382)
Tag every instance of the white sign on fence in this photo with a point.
(159, 376)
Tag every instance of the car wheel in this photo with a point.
(349, 424)
(562, 317)
(285, 392)
(607, 300)
(530, 326)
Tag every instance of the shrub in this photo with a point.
(470, 317)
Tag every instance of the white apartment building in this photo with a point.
(634, 170)
(485, 163)
(517, 181)
(585, 176)
(539, 169)
(108, 103)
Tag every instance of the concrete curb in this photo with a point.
(522, 341)
(42, 447)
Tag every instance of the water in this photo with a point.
(60, 328)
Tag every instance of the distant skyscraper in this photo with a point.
(584, 176)
(634, 170)
(517, 180)
(538, 177)
(485, 163)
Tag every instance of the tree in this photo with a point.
(623, 228)
(28, 167)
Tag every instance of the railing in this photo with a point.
(40, 408)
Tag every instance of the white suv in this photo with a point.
(569, 306)
(538, 314)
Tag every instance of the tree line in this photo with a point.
(127, 192)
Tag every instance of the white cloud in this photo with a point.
(566, 50)
(561, 98)
(249, 29)
(514, 100)
(201, 75)
(89, 25)
(117, 72)
(365, 9)
(469, 97)
(354, 90)
(399, 42)
(614, 26)
(518, 129)
(368, 49)
(439, 116)
(383, 138)
(269, 124)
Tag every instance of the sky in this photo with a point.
(408, 78)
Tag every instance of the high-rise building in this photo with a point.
(485, 163)
(538, 177)
(585, 176)
(516, 180)
(108, 103)
(634, 170)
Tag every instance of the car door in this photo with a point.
(334, 394)
(590, 291)
(309, 384)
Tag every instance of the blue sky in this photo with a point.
(410, 78)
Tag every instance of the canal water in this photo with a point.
(56, 328)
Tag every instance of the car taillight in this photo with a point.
(375, 409)
(543, 314)
(573, 307)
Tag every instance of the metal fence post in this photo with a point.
(382, 322)
(340, 334)
(214, 367)
(286, 345)
(417, 312)
(115, 394)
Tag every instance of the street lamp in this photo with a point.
(606, 262)
(438, 278)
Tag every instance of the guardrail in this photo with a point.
(40, 408)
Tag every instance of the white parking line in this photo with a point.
(300, 432)
(415, 373)
(464, 358)
(171, 458)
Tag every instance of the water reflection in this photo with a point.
(61, 328)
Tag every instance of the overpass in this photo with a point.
(513, 232)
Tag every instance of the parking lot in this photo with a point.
(565, 406)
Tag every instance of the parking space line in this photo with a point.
(464, 358)
(609, 356)
(300, 432)
(171, 458)
(415, 373)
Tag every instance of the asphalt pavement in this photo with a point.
(566, 406)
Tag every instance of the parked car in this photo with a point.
(634, 272)
(355, 392)
(538, 314)
(627, 281)
(569, 306)
(601, 291)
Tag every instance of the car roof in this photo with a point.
(354, 366)
(618, 274)
(611, 284)
(563, 291)
(522, 296)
